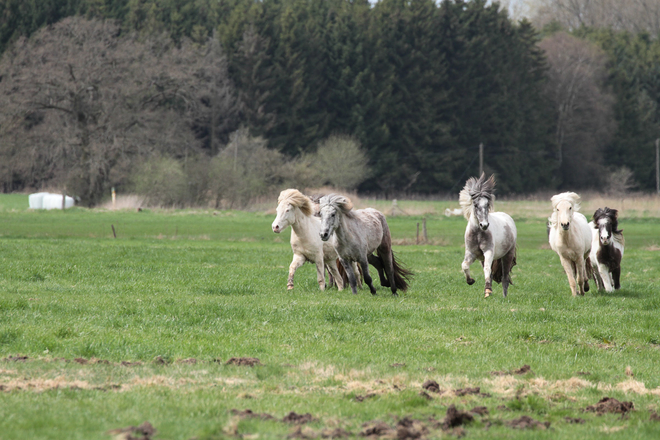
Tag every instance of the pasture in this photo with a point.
(99, 333)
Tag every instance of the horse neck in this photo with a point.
(302, 226)
(343, 230)
(473, 222)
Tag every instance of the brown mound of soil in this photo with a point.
(470, 391)
(376, 428)
(481, 410)
(244, 361)
(456, 418)
(523, 370)
(526, 422)
(298, 419)
(143, 432)
(610, 405)
(432, 386)
(408, 428)
(303, 432)
(159, 360)
(248, 413)
(365, 397)
(574, 420)
(425, 395)
(16, 359)
(81, 361)
(189, 361)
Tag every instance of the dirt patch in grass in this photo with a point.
(249, 414)
(480, 410)
(15, 359)
(298, 419)
(474, 391)
(145, 431)
(188, 361)
(243, 361)
(130, 363)
(361, 398)
(610, 405)
(432, 386)
(574, 420)
(455, 418)
(306, 432)
(526, 422)
(40, 385)
(159, 360)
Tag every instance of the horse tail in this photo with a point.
(590, 268)
(402, 275)
(497, 269)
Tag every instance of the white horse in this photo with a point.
(295, 209)
(357, 234)
(490, 237)
(570, 236)
(606, 249)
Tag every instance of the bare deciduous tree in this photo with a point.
(583, 108)
(630, 15)
(79, 103)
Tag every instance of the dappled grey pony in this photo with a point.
(490, 237)
(356, 235)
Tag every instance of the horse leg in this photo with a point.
(569, 268)
(320, 271)
(507, 264)
(358, 274)
(365, 273)
(467, 262)
(378, 264)
(298, 260)
(334, 273)
(488, 266)
(616, 275)
(582, 281)
(605, 276)
(348, 267)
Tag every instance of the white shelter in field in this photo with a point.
(45, 200)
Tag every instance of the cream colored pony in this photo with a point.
(295, 209)
(570, 236)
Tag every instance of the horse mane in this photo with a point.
(475, 188)
(339, 202)
(570, 197)
(613, 216)
(296, 199)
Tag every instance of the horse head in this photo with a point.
(606, 220)
(477, 199)
(333, 206)
(564, 205)
(287, 202)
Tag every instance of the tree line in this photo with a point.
(417, 84)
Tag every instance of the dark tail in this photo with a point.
(402, 275)
(497, 271)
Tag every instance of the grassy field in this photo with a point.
(99, 333)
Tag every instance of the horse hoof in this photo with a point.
(487, 293)
(470, 281)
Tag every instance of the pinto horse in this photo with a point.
(570, 236)
(356, 235)
(606, 249)
(490, 237)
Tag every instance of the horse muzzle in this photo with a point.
(484, 226)
(277, 229)
(565, 226)
(324, 236)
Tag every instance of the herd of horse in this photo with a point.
(329, 233)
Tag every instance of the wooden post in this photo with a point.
(657, 165)
(114, 198)
(113, 231)
(417, 232)
(481, 159)
(426, 238)
(63, 200)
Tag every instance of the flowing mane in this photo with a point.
(570, 197)
(474, 189)
(338, 202)
(296, 199)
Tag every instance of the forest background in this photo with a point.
(197, 102)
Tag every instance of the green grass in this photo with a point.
(191, 284)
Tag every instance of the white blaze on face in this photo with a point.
(605, 235)
(328, 222)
